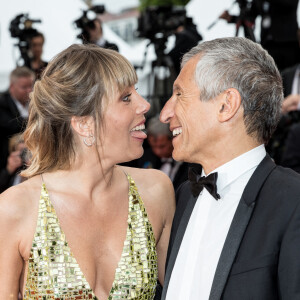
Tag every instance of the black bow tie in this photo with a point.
(208, 182)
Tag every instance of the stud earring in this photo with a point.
(89, 140)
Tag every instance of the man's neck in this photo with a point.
(212, 162)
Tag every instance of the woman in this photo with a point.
(82, 227)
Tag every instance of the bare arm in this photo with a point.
(167, 207)
(11, 262)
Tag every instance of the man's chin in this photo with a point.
(177, 155)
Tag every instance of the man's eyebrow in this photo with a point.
(176, 87)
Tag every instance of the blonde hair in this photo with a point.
(75, 83)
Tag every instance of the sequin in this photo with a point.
(53, 272)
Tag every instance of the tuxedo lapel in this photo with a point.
(239, 225)
(288, 79)
(12, 107)
(177, 241)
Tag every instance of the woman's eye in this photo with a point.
(126, 98)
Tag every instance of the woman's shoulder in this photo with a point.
(16, 201)
(149, 177)
(152, 183)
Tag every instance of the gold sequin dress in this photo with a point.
(53, 272)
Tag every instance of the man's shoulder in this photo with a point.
(5, 98)
(111, 46)
(290, 71)
(286, 175)
(182, 195)
(283, 183)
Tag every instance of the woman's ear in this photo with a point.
(229, 104)
(83, 125)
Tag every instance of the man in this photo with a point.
(187, 37)
(36, 51)
(159, 154)
(14, 108)
(240, 239)
(94, 34)
(279, 27)
(279, 144)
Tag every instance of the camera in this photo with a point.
(25, 156)
(86, 21)
(21, 28)
(160, 21)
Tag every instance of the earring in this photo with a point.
(89, 140)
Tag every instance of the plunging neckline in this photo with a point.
(66, 240)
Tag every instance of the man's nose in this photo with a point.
(167, 113)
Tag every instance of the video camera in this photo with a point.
(86, 21)
(21, 28)
(160, 21)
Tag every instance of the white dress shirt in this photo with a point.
(203, 241)
(296, 84)
(23, 110)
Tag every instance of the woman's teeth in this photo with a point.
(139, 127)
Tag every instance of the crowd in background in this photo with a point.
(279, 35)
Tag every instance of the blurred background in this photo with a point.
(120, 22)
(153, 35)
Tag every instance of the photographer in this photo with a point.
(91, 28)
(16, 161)
(95, 35)
(30, 43)
(14, 108)
(278, 28)
(187, 37)
(36, 44)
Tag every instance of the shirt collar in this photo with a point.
(23, 110)
(235, 168)
(101, 42)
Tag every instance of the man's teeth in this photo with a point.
(139, 127)
(177, 131)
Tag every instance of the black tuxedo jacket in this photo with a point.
(10, 123)
(111, 46)
(283, 24)
(291, 154)
(287, 79)
(260, 259)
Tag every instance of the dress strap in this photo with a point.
(42, 179)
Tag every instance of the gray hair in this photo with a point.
(244, 65)
(156, 128)
(21, 72)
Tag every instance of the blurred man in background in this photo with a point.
(279, 27)
(95, 35)
(187, 37)
(36, 44)
(159, 154)
(14, 108)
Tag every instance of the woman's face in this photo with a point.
(124, 121)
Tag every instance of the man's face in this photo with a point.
(36, 46)
(95, 33)
(192, 121)
(161, 145)
(20, 88)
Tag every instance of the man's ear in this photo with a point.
(229, 104)
(82, 125)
